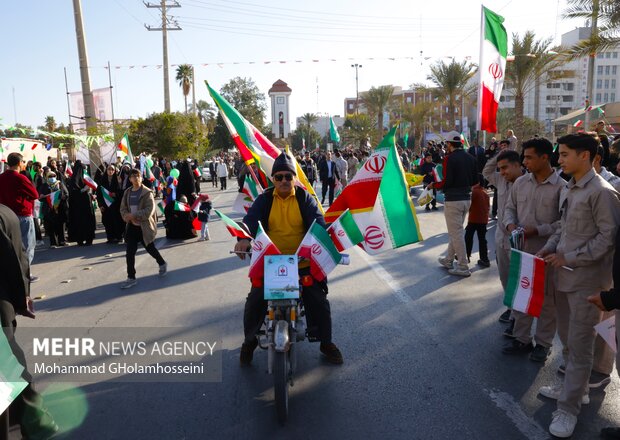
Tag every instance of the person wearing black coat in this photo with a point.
(54, 217)
(81, 219)
(27, 409)
(111, 215)
(179, 224)
(186, 186)
(328, 173)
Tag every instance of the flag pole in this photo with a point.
(254, 176)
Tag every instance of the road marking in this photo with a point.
(525, 424)
(385, 276)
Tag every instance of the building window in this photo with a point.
(569, 86)
(614, 54)
(599, 83)
(565, 110)
(567, 98)
(351, 106)
(607, 54)
(549, 110)
(598, 97)
(613, 83)
(409, 99)
(614, 70)
(599, 70)
(606, 83)
(607, 70)
(606, 97)
(613, 97)
(599, 56)
(280, 99)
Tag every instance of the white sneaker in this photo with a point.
(129, 282)
(445, 262)
(201, 239)
(459, 272)
(163, 269)
(562, 424)
(555, 391)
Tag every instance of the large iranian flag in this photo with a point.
(525, 290)
(318, 247)
(392, 222)
(360, 193)
(344, 232)
(492, 68)
(246, 197)
(261, 246)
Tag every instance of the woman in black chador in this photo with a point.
(187, 185)
(81, 222)
(111, 215)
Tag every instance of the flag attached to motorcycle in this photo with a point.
(261, 246)
(318, 247)
(344, 232)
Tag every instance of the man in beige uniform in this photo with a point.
(533, 205)
(590, 211)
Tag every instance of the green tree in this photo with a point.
(506, 119)
(50, 123)
(245, 96)
(172, 135)
(377, 100)
(606, 13)
(205, 112)
(308, 119)
(418, 116)
(532, 60)
(358, 129)
(451, 80)
(185, 74)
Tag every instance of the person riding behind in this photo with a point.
(286, 212)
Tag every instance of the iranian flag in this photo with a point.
(464, 141)
(261, 246)
(160, 205)
(233, 227)
(196, 205)
(246, 197)
(361, 192)
(89, 182)
(577, 124)
(11, 382)
(148, 174)
(36, 210)
(438, 173)
(107, 198)
(53, 199)
(125, 148)
(525, 290)
(318, 247)
(392, 222)
(180, 206)
(69, 170)
(493, 52)
(344, 232)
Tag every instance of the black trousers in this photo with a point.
(27, 409)
(213, 180)
(481, 230)
(55, 230)
(133, 236)
(326, 185)
(494, 203)
(318, 312)
(223, 182)
(113, 223)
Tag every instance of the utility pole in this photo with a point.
(194, 90)
(357, 92)
(87, 95)
(167, 24)
(591, 60)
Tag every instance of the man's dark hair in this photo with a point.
(504, 141)
(14, 159)
(427, 154)
(580, 142)
(540, 144)
(509, 155)
(134, 172)
(600, 151)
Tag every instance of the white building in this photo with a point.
(321, 125)
(280, 114)
(565, 88)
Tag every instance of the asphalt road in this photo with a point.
(421, 348)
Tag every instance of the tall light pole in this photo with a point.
(591, 60)
(357, 92)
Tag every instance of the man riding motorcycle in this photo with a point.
(286, 212)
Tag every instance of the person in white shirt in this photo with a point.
(222, 173)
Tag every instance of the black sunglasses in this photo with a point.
(280, 177)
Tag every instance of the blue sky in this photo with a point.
(39, 41)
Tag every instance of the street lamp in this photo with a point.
(357, 93)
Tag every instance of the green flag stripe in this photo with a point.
(396, 204)
(351, 228)
(513, 278)
(322, 236)
(495, 32)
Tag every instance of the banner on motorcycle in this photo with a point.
(318, 247)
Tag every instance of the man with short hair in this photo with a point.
(328, 173)
(459, 175)
(18, 193)
(612, 179)
(352, 163)
(590, 214)
(533, 205)
(509, 164)
(512, 139)
(286, 212)
(342, 167)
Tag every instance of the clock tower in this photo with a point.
(280, 115)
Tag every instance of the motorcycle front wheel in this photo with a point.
(280, 385)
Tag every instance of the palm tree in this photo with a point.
(205, 112)
(606, 14)
(531, 59)
(309, 119)
(418, 116)
(377, 100)
(451, 81)
(50, 123)
(185, 74)
(358, 130)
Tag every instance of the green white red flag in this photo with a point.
(160, 205)
(180, 206)
(392, 222)
(11, 382)
(233, 227)
(438, 173)
(525, 290)
(344, 232)
(107, 198)
(124, 147)
(318, 247)
(53, 199)
(492, 68)
(361, 192)
(36, 210)
(333, 131)
(577, 124)
(89, 182)
(69, 170)
(246, 197)
(261, 246)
